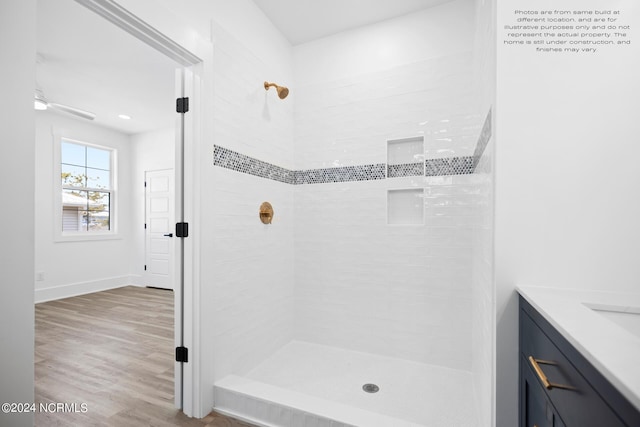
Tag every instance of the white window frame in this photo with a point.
(78, 236)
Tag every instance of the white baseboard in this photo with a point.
(82, 288)
(136, 280)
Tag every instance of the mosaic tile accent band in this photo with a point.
(405, 169)
(483, 140)
(449, 166)
(233, 160)
(341, 174)
(230, 159)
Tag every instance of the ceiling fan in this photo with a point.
(41, 103)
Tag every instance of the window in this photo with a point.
(86, 173)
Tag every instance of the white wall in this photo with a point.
(18, 46)
(77, 267)
(567, 180)
(150, 151)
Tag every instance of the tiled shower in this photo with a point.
(374, 269)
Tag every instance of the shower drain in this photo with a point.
(370, 388)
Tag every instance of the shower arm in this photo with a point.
(283, 91)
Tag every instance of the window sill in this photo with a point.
(72, 237)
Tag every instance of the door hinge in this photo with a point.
(145, 225)
(182, 229)
(145, 268)
(145, 184)
(182, 105)
(182, 354)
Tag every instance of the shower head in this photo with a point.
(282, 91)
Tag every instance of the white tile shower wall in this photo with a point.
(447, 29)
(483, 291)
(348, 121)
(401, 291)
(247, 270)
(253, 290)
(405, 77)
(249, 119)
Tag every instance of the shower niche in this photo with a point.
(405, 157)
(405, 206)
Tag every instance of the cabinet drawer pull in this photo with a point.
(535, 363)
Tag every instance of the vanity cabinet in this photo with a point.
(559, 387)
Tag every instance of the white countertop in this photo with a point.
(613, 350)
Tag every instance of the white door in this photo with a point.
(159, 234)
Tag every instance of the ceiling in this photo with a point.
(88, 63)
(302, 21)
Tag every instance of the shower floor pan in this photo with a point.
(305, 384)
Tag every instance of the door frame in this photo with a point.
(189, 132)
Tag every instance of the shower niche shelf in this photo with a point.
(405, 157)
(405, 206)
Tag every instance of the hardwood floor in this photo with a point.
(112, 351)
